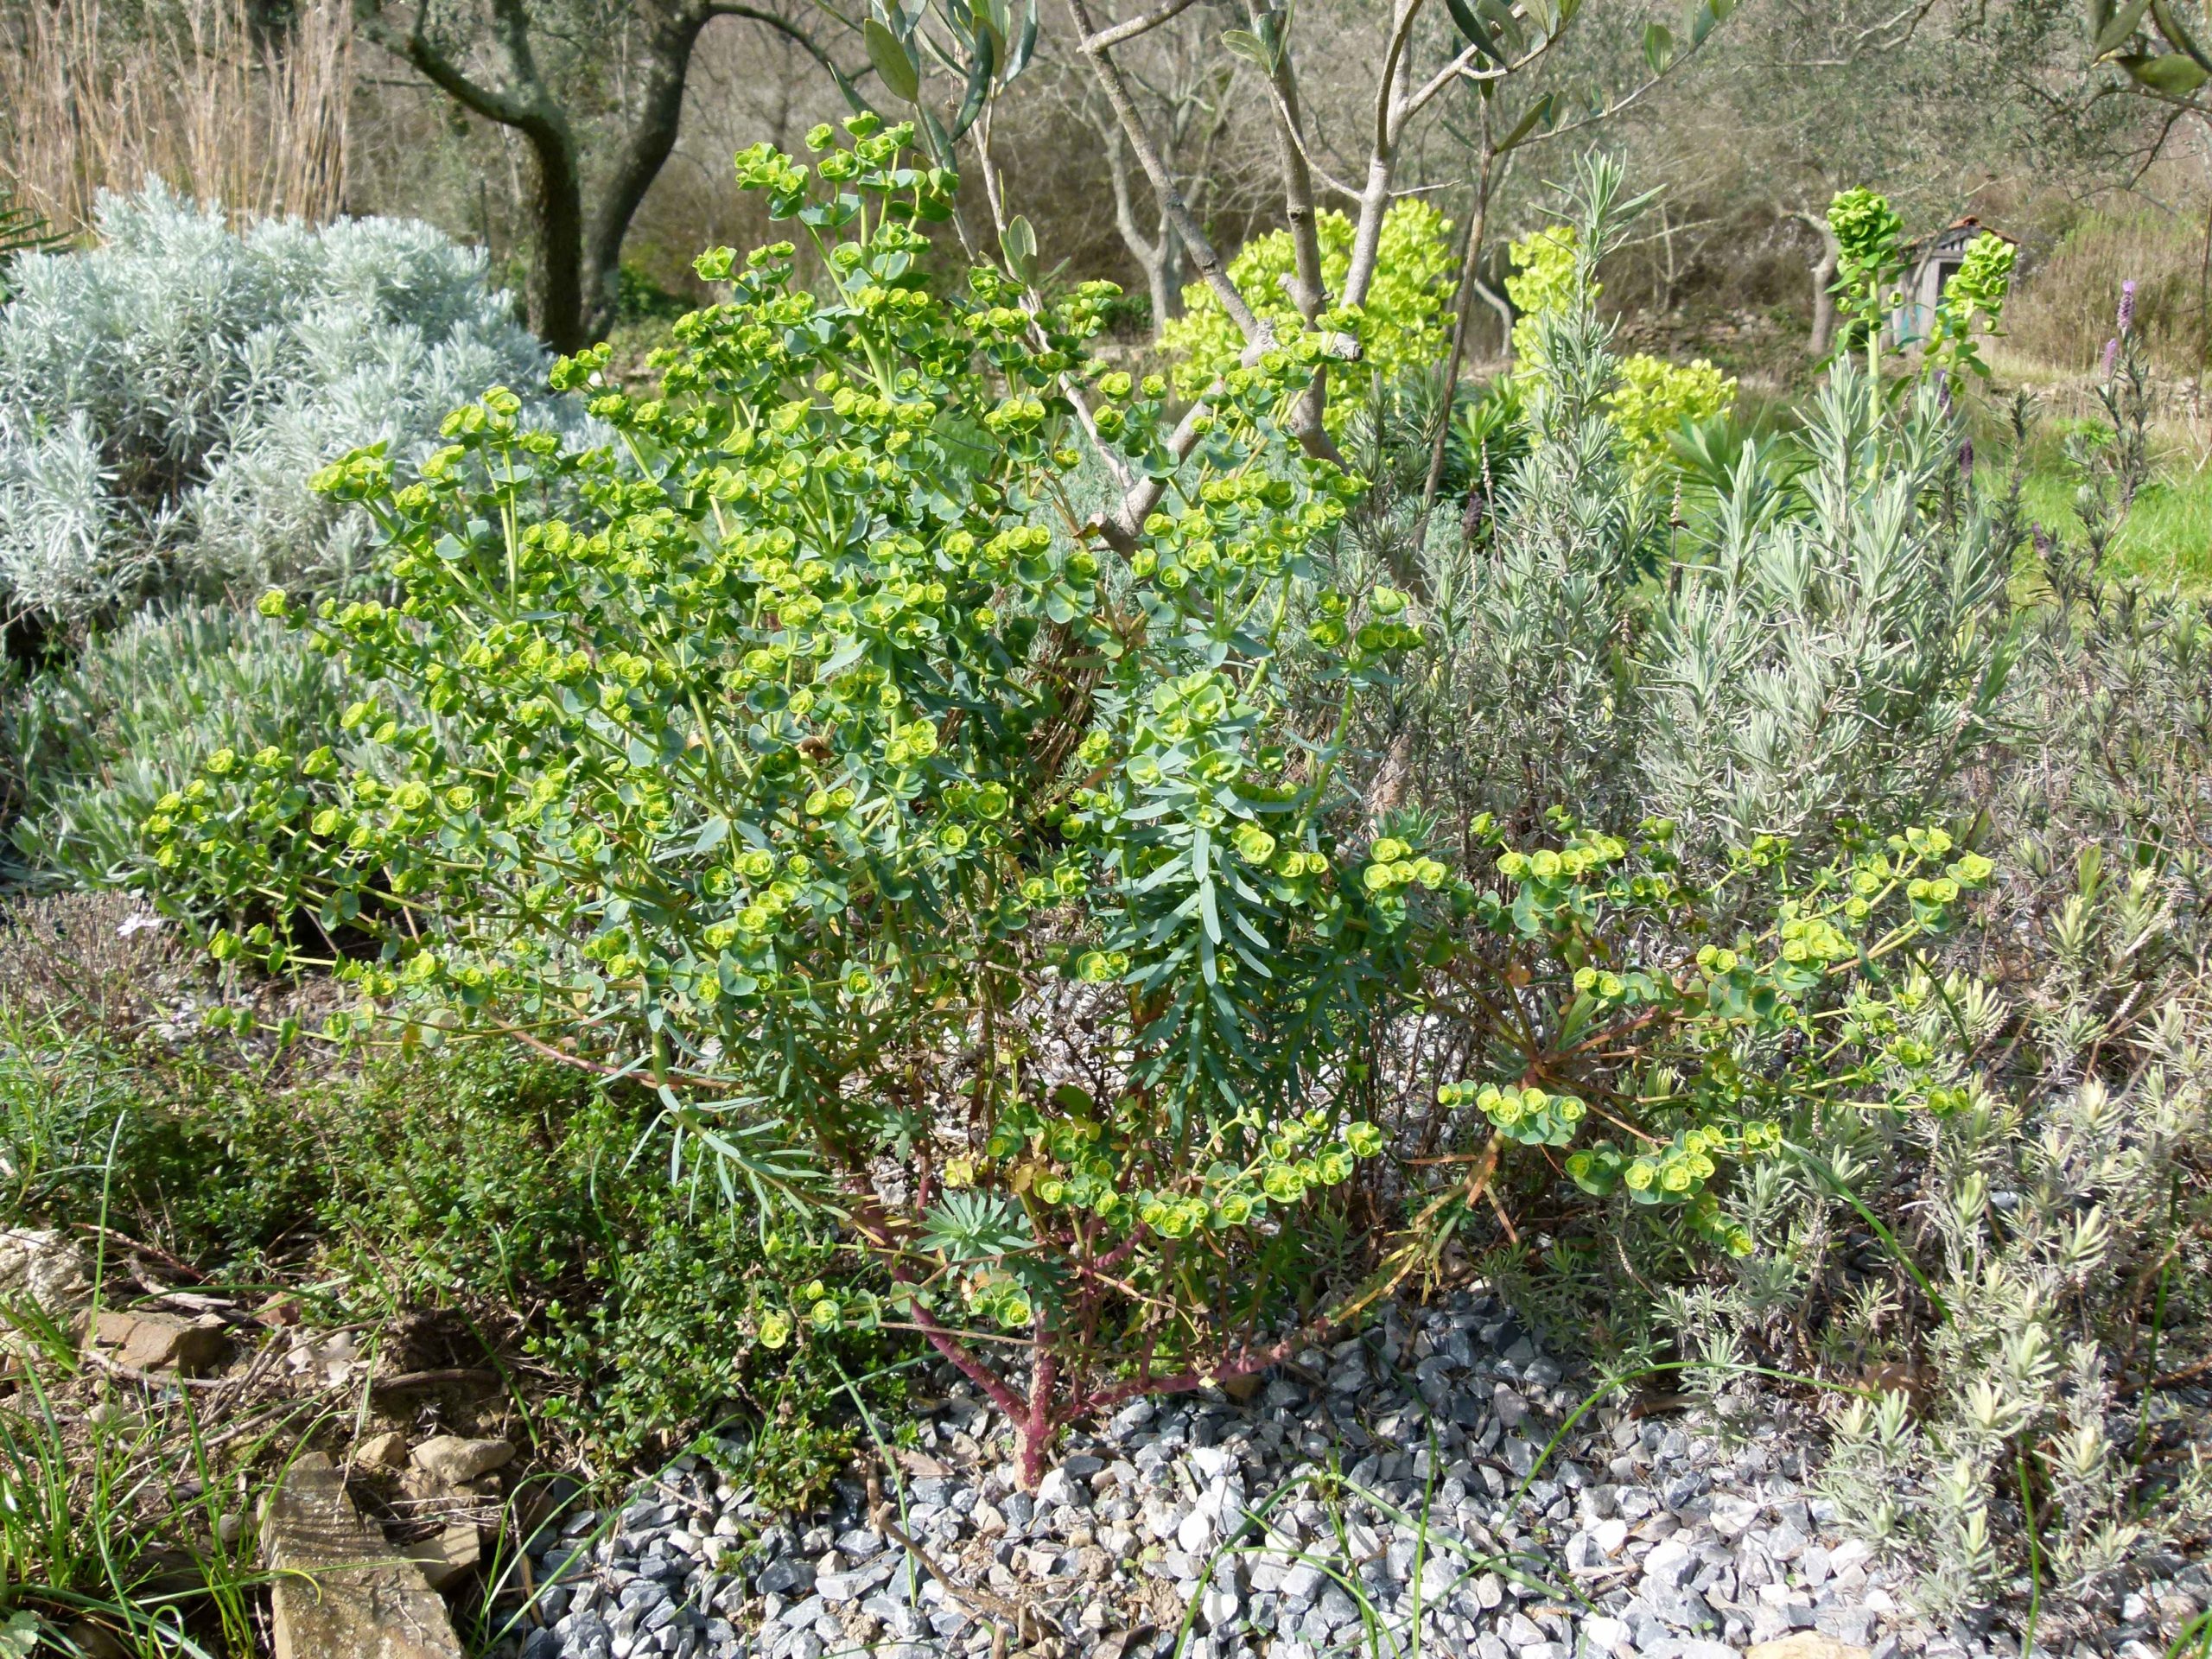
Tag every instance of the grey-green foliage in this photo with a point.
(1815, 643)
(1836, 645)
(166, 395)
(97, 743)
(2059, 1212)
(1549, 614)
(2051, 1221)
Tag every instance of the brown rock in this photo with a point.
(385, 1451)
(446, 1557)
(341, 1592)
(160, 1342)
(454, 1461)
(1805, 1645)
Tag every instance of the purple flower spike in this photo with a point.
(2111, 357)
(2126, 306)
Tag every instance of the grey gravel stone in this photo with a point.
(1686, 1540)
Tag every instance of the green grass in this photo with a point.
(2167, 537)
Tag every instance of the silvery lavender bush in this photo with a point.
(1812, 649)
(166, 394)
(1992, 1255)
(2016, 1280)
(1833, 648)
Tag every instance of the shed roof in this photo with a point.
(1953, 238)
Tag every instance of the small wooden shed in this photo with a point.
(1933, 259)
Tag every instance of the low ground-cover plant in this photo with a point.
(491, 1190)
(94, 743)
(166, 395)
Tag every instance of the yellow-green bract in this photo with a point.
(1402, 325)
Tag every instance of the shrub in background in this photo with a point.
(165, 396)
(1827, 643)
(1656, 399)
(134, 716)
(1403, 328)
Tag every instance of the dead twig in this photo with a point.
(1005, 1614)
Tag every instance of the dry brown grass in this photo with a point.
(92, 100)
(2063, 311)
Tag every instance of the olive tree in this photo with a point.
(596, 141)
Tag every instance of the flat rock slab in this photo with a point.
(56, 1272)
(158, 1342)
(342, 1592)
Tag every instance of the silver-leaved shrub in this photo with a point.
(166, 395)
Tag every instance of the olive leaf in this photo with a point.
(2176, 74)
(901, 75)
(1018, 242)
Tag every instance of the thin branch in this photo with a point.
(1135, 25)
(1458, 67)
(1306, 154)
(1202, 253)
(783, 26)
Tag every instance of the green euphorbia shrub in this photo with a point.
(794, 755)
(1654, 1040)
(1656, 399)
(1401, 326)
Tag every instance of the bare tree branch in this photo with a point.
(1135, 25)
(790, 30)
(1202, 253)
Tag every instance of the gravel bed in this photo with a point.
(1365, 1490)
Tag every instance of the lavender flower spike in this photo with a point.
(2111, 357)
(2126, 306)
